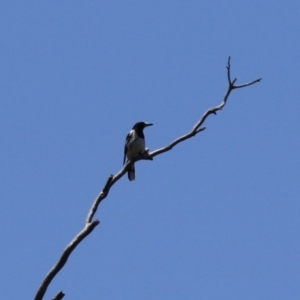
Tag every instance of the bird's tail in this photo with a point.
(131, 172)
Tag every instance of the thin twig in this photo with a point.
(112, 179)
(247, 84)
(59, 296)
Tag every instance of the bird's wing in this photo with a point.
(125, 147)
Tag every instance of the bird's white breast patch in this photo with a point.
(135, 145)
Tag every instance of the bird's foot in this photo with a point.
(145, 154)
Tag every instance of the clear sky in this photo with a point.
(215, 218)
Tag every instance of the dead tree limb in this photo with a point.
(112, 179)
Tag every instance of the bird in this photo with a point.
(135, 145)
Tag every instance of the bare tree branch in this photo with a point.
(59, 296)
(112, 179)
(63, 259)
(197, 128)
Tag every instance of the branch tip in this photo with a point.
(200, 129)
(96, 222)
(228, 70)
(59, 296)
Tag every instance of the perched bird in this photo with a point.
(135, 145)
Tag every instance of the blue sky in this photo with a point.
(215, 218)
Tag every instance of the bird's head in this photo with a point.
(141, 125)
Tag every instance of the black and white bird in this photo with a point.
(135, 145)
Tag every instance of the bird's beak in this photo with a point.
(148, 124)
